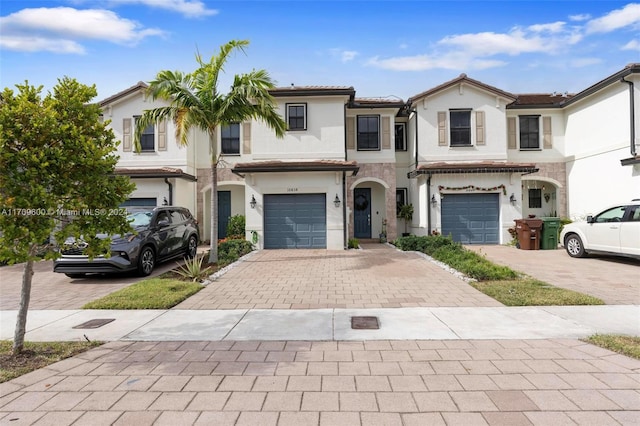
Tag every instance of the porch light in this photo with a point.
(165, 202)
(253, 202)
(336, 201)
(434, 202)
(512, 199)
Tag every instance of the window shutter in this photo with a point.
(126, 134)
(442, 128)
(351, 133)
(547, 136)
(386, 133)
(162, 136)
(480, 128)
(246, 137)
(511, 133)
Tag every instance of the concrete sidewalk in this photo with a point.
(548, 322)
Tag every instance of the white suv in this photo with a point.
(615, 230)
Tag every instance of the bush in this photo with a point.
(236, 227)
(353, 243)
(231, 250)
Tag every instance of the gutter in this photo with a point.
(632, 124)
(429, 204)
(345, 230)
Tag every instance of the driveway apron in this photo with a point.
(378, 276)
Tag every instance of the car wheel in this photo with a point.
(146, 261)
(75, 275)
(192, 247)
(574, 246)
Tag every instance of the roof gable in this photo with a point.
(465, 80)
(140, 86)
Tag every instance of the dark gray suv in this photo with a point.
(162, 233)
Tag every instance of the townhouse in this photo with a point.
(468, 156)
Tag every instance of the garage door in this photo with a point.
(295, 221)
(471, 218)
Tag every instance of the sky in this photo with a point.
(387, 49)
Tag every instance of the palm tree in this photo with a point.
(196, 103)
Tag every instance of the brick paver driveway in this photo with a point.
(378, 276)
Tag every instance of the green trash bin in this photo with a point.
(550, 228)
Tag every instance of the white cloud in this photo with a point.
(348, 55)
(584, 62)
(453, 61)
(580, 17)
(40, 28)
(632, 45)
(616, 19)
(188, 8)
(553, 27)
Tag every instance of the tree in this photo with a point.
(57, 161)
(196, 103)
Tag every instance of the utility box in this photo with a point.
(528, 232)
(550, 227)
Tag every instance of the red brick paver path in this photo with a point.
(378, 276)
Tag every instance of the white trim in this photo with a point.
(369, 179)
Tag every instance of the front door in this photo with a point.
(224, 212)
(362, 213)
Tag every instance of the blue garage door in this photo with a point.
(471, 218)
(295, 221)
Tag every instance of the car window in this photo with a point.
(176, 216)
(612, 215)
(140, 218)
(163, 215)
(635, 214)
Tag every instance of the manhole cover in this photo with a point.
(95, 323)
(365, 323)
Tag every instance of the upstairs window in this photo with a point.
(230, 135)
(297, 116)
(460, 127)
(368, 133)
(400, 137)
(529, 132)
(147, 138)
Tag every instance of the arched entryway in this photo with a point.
(231, 202)
(370, 215)
(541, 197)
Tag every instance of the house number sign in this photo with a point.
(292, 189)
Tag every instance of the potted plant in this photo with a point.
(406, 213)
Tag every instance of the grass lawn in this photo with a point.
(625, 345)
(153, 293)
(531, 292)
(37, 355)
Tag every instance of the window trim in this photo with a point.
(239, 139)
(153, 126)
(304, 116)
(379, 147)
(529, 116)
(451, 128)
(404, 136)
(405, 199)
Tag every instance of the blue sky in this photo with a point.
(382, 48)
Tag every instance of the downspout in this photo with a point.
(344, 210)
(632, 124)
(429, 204)
(415, 117)
(170, 185)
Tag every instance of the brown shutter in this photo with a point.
(126, 134)
(246, 137)
(162, 136)
(480, 136)
(386, 133)
(351, 133)
(547, 137)
(442, 128)
(511, 133)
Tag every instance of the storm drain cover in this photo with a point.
(95, 323)
(365, 323)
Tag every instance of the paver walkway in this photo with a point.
(378, 276)
(480, 382)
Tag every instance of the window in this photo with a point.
(401, 199)
(368, 133)
(401, 141)
(529, 131)
(612, 215)
(535, 198)
(147, 138)
(297, 116)
(460, 127)
(230, 135)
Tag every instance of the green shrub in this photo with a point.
(236, 227)
(353, 243)
(231, 250)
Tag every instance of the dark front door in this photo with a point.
(224, 212)
(362, 213)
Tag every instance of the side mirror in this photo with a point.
(163, 222)
(590, 219)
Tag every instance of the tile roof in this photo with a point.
(296, 166)
(463, 78)
(473, 167)
(158, 172)
(126, 92)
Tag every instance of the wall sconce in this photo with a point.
(336, 201)
(512, 199)
(434, 202)
(165, 202)
(253, 202)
